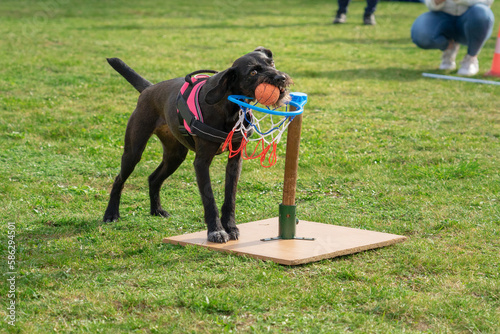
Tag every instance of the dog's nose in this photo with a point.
(280, 78)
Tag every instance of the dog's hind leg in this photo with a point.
(233, 171)
(204, 156)
(174, 153)
(136, 137)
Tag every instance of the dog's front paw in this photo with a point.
(160, 212)
(234, 233)
(218, 237)
(110, 217)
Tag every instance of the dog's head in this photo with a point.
(246, 73)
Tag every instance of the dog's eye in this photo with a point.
(254, 72)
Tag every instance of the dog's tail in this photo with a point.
(129, 74)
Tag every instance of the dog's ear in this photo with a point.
(217, 93)
(267, 52)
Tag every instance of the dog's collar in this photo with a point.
(190, 115)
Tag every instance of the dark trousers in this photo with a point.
(371, 6)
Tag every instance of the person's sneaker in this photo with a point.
(369, 20)
(469, 66)
(448, 58)
(340, 18)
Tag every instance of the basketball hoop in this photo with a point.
(268, 129)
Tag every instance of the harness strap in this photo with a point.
(190, 115)
(201, 129)
(188, 77)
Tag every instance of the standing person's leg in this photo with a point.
(343, 4)
(368, 16)
(474, 28)
(340, 17)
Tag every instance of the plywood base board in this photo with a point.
(330, 241)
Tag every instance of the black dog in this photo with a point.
(156, 113)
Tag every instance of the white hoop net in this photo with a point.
(266, 141)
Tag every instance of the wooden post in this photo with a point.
(292, 160)
(287, 218)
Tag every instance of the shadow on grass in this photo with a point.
(221, 25)
(48, 229)
(363, 40)
(72, 239)
(390, 74)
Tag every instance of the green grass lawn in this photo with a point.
(382, 148)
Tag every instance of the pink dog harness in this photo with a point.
(191, 122)
(192, 101)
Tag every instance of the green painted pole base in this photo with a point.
(287, 224)
(287, 221)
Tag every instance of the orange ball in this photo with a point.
(267, 94)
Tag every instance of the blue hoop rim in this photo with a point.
(237, 99)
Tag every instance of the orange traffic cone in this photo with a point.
(495, 66)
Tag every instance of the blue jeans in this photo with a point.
(371, 5)
(434, 30)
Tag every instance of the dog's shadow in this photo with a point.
(67, 241)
